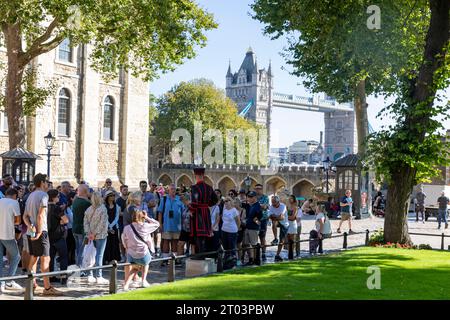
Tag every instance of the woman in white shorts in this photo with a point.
(292, 209)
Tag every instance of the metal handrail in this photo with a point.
(28, 294)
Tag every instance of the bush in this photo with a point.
(377, 238)
(425, 247)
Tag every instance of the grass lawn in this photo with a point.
(405, 274)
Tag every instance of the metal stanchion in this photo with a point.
(113, 278)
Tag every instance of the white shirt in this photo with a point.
(9, 208)
(215, 211)
(326, 225)
(229, 220)
(299, 216)
(277, 213)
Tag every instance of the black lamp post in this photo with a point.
(326, 167)
(49, 142)
(248, 182)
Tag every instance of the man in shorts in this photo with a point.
(35, 218)
(278, 214)
(264, 203)
(253, 222)
(169, 215)
(346, 211)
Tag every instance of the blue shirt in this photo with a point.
(148, 196)
(255, 211)
(264, 200)
(171, 224)
(347, 209)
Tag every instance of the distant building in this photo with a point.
(278, 156)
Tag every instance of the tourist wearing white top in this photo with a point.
(230, 226)
(299, 231)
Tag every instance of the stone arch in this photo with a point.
(209, 181)
(226, 183)
(303, 188)
(252, 185)
(185, 180)
(275, 185)
(165, 179)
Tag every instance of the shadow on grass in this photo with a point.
(405, 274)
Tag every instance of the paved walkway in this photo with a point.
(158, 275)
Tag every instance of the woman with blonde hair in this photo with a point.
(95, 225)
(138, 243)
(133, 204)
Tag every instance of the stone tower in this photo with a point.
(340, 134)
(252, 85)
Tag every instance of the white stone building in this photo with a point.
(101, 128)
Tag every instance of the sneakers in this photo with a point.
(52, 292)
(263, 257)
(126, 287)
(278, 258)
(446, 226)
(101, 280)
(2, 287)
(274, 242)
(12, 285)
(91, 279)
(145, 284)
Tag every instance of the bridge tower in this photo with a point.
(252, 85)
(340, 134)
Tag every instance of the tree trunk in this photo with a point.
(423, 90)
(397, 204)
(14, 77)
(362, 124)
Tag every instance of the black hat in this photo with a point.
(242, 191)
(199, 170)
(251, 194)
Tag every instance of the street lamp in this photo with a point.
(49, 142)
(326, 167)
(248, 182)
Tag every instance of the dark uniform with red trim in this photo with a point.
(202, 197)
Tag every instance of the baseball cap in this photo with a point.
(251, 194)
(242, 191)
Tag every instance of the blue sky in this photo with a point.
(230, 41)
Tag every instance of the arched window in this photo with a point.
(65, 51)
(64, 113)
(108, 119)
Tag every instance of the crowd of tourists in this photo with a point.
(53, 227)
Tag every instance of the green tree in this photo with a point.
(196, 101)
(407, 57)
(140, 36)
(413, 150)
(331, 46)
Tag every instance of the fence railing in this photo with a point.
(219, 254)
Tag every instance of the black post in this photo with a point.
(291, 250)
(344, 245)
(171, 273)
(113, 278)
(48, 163)
(442, 241)
(29, 286)
(367, 237)
(257, 254)
(327, 180)
(220, 259)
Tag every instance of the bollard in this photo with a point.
(297, 248)
(344, 245)
(257, 254)
(171, 273)
(367, 237)
(29, 286)
(442, 241)
(113, 278)
(291, 250)
(220, 259)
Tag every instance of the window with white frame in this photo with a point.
(65, 51)
(64, 113)
(5, 122)
(108, 119)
